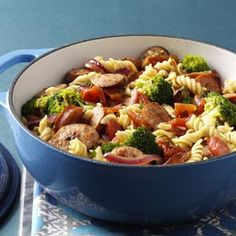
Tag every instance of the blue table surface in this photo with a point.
(45, 24)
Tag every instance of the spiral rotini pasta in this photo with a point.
(189, 139)
(230, 137)
(163, 133)
(99, 155)
(77, 148)
(106, 118)
(84, 78)
(229, 86)
(196, 152)
(194, 86)
(122, 136)
(112, 65)
(195, 123)
(44, 129)
(167, 66)
(169, 109)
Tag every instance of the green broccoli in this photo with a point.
(57, 102)
(29, 107)
(226, 110)
(52, 104)
(108, 147)
(193, 63)
(144, 140)
(157, 89)
(188, 100)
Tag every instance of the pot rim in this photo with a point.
(68, 155)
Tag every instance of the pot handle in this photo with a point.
(15, 57)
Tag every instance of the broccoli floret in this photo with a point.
(225, 109)
(157, 89)
(57, 102)
(193, 63)
(108, 147)
(29, 107)
(144, 140)
(188, 100)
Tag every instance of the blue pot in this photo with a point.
(112, 192)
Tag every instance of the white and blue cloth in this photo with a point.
(52, 218)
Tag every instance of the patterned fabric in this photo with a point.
(51, 218)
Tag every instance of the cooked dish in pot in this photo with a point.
(155, 110)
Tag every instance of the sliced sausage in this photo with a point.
(152, 54)
(154, 114)
(85, 133)
(74, 73)
(109, 80)
(98, 114)
(231, 97)
(218, 147)
(209, 80)
(156, 50)
(71, 114)
(127, 151)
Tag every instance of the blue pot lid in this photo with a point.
(9, 181)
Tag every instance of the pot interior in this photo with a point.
(51, 68)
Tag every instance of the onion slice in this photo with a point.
(140, 160)
(95, 65)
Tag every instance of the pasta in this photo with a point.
(196, 152)
(77, 148)
(44, 129)
(158, 109)
(191, 84)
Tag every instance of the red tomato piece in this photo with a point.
(94, 94)
(200, 104)
(184, 110)
(111, 128)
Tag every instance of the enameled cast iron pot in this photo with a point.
(120, 193)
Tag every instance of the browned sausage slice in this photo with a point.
(156, 50)
(231, 97)
(209, 80)
(152, 55)
(109, 80)
(127, 151)
(98, 114)
(154, 114)
(85, 133)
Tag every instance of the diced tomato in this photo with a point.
(200, 104)
(94, 94)
(114, 109)
(112, 127)
(178, 126)
(218, 147)
(170, 150)
(184, 110)
(71, 114)
(178, 122)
